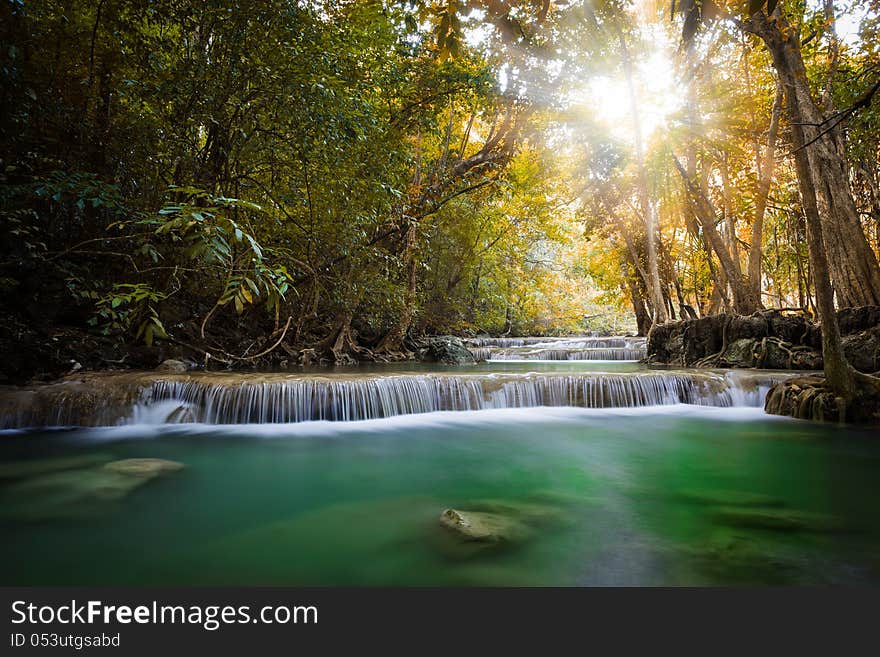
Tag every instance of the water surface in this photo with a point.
(674, 495)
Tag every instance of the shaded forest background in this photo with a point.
(308, 180)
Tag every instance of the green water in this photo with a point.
(673, 496)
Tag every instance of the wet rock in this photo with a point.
(482, 527)
(780, 520)
(172, 366)
(82, 491)
(806, 359)
(863, 349)
(741, 353)
(856, 320)
(769, 339)
(446, 349)
(774, 355)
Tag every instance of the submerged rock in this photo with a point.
(446, 349)
(81, 491)
(483, 527)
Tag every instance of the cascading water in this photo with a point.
(558, 349)
(272, 398)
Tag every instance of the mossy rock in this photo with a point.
(741, 353)
(447, 349)
(483, 527)
(80, 492)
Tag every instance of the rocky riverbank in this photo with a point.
(770, 339)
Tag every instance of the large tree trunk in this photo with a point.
(831, 219)
(823, 168)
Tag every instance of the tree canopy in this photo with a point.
(329, 179)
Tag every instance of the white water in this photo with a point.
(556, 349)
(139, 399)
(282, 399)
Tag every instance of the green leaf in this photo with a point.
(755, 6)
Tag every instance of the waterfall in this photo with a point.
(109, 399)
(617, 353)
(583, 342)
(318, 398)
(545, 348)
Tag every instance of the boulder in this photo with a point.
(769, 339)
(741, 353)
(483, 527)
(446, 349)
(81, 491)
(863, 349)
(774, 355)
(856, 320)
(172, 366)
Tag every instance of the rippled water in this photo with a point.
(675, 495)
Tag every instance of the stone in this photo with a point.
(774, 355)
(447, 349)
(856, 320)
(779, 340)
(741, 353)
(172, 366)
(82, 491)
(862, 349)
(482, 527)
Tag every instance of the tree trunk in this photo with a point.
(823, 169)
(764, 181)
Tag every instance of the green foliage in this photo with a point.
(130, 307)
